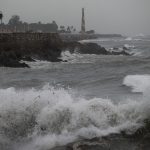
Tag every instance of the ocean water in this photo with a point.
(53, 104)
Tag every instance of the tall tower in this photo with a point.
(83, 22)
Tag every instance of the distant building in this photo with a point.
(16, 25)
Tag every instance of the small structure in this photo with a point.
(1, 16)
(83, 22)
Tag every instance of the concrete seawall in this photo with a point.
(9, 37)
(15, 47)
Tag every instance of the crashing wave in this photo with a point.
(129, 39)
(140, 35)
(129, 46)
(52, 117)
(138, 83)
(39, 64)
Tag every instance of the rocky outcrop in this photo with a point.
(15, 47)
(13, 53)
(111, 142)
(27, 47)
(90, 48)
(139, 140)
(10, 59)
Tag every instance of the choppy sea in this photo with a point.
(53, 104)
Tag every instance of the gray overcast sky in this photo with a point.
(105, 16)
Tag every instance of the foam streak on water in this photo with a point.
(42, 119)
(138, 83)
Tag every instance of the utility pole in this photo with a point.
(83, 22)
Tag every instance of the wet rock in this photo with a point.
(120, 53)
(90, 48)
(145, 143)
(125, 48)
(11, 60)
(97, 145)
(28, 58)
(68, 147)
(110, 142)
(13, 52)
(115, 48)
(15, 47)
(85, 48)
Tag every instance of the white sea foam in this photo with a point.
(140, 35)
(96, 40)
(102, 40)
(38, 64)
(138, 83)
(129, 39)
(68, 57)
(133, 50)
(129, 46)
(52, 117)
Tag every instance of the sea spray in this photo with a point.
(138, 83)
(42, 119)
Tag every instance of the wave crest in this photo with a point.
(51, 117)
(138, 83)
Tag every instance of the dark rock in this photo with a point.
(13, 50)
(85, 48)
(145, 143)
(25, 46)
(93, 145)
(91, 48)
(110, 142)
(115, 48)
(65, 61)
(28, 58)
(10, 60)
(125, 48)
(140, 140)
(120, 53)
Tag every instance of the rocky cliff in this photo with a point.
(15, 47)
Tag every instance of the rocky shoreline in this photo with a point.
(91, 48)
(139, 140)
(14, 50)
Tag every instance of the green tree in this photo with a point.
(14, 20)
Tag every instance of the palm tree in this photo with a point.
(1, 16)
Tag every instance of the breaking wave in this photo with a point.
(42, 119)
(70, 57)
(128, 39)
(66, 56)
(138, 83)
(39, 64)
